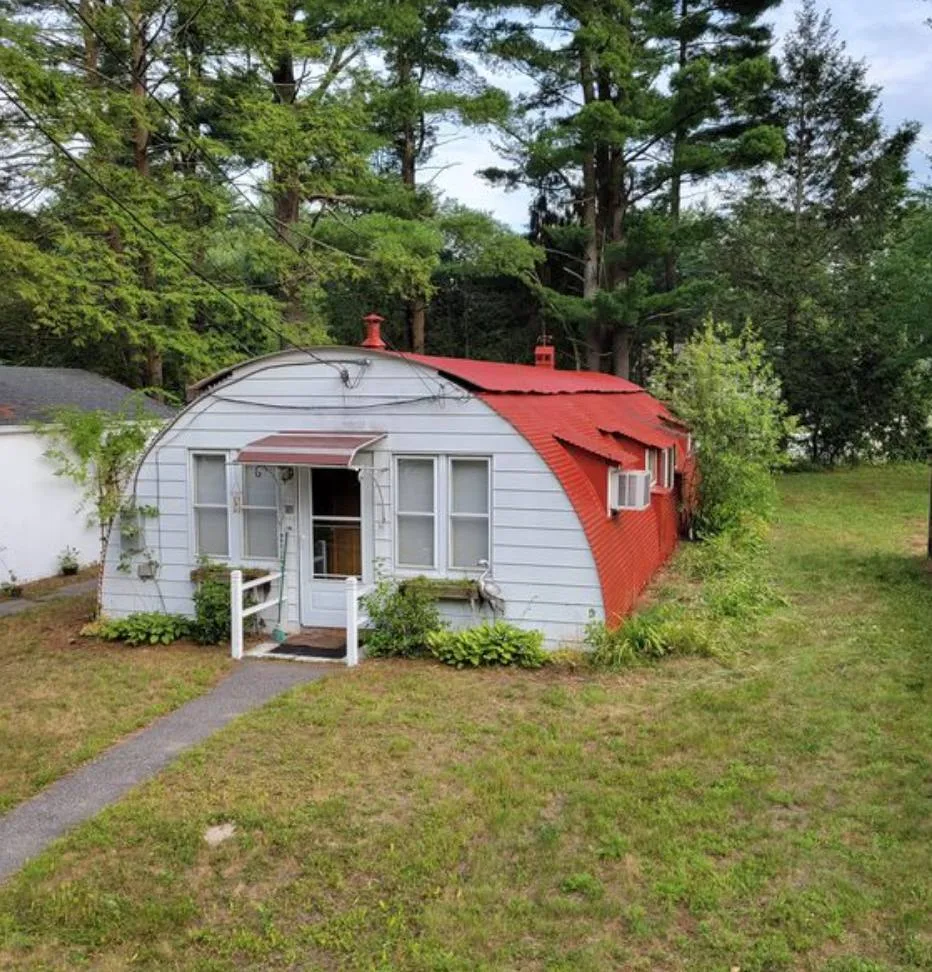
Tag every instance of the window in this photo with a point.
(653, 460)
(260, 513)
(668, 467)
(415, 540)
(336, 514)
(212, 537)
(628, 490)
(469, 512)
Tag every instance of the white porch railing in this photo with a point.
(356, 618)
(238, 613)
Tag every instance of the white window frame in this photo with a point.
(195, 506)
(614, 476)
(652, 464)
(398, 512)
(451, 516)
(667, 467)
(244, 509)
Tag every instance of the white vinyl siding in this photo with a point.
(211, 510)
(260, 513)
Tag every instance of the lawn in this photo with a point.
(767, 813)
(65, 698)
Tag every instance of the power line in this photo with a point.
(149, 231)
(276, 224)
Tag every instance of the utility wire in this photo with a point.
(149, 231)
(276, 224)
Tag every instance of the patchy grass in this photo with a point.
(767, 814)
(33, 590)
(65, 698)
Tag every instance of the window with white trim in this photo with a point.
(653, 461)
(469, 512)
(211, 511)
(667, 467)
(260, 513)
(416, 512)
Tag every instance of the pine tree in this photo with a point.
(800, 255)
(625, 108)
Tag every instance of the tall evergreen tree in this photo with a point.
(605, 140)
(800, 253)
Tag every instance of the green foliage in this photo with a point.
(68, 560)
(498, 643)
(727, 394)
(142, 628)
(726, 573)
(212, 612)
(99, 451)
(402, 618)
(827, 257)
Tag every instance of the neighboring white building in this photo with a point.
(41, 513)
(360, 461)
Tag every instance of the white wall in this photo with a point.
(540, 556)
(39, 511)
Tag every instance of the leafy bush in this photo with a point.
(402, 617)
(649, 636)
(212, 612)
(727, 393)
(500, 643)
(142, 628)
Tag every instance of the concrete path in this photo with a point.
(19, 604)
(32, 826)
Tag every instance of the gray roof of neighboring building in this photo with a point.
(30, 394)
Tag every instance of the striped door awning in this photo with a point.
(308, 448)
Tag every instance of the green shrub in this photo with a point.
(402, 616)
(212, 612)
(142, 628)
(649, 636)
(500, 643)
(724, 389)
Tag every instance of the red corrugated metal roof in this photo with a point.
(495, 376)
(582, 424)
(308, 448)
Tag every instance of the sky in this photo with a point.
(890, 36)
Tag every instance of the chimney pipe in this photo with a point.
(373, 339)
(545, 355)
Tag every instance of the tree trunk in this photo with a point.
(286, 190)
(138, 56)
(591, 253)
(406, 143)
(671, 260)
(417, 325)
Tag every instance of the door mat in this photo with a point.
(308, 651)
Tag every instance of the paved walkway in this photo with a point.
(29, 828)
(20, 604)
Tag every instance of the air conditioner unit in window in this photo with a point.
(629, 490)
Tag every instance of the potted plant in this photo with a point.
(68, 561)
(11, 587)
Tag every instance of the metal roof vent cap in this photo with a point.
(373, 338)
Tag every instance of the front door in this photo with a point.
(332, 543)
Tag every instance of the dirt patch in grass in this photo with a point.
(65, 698)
